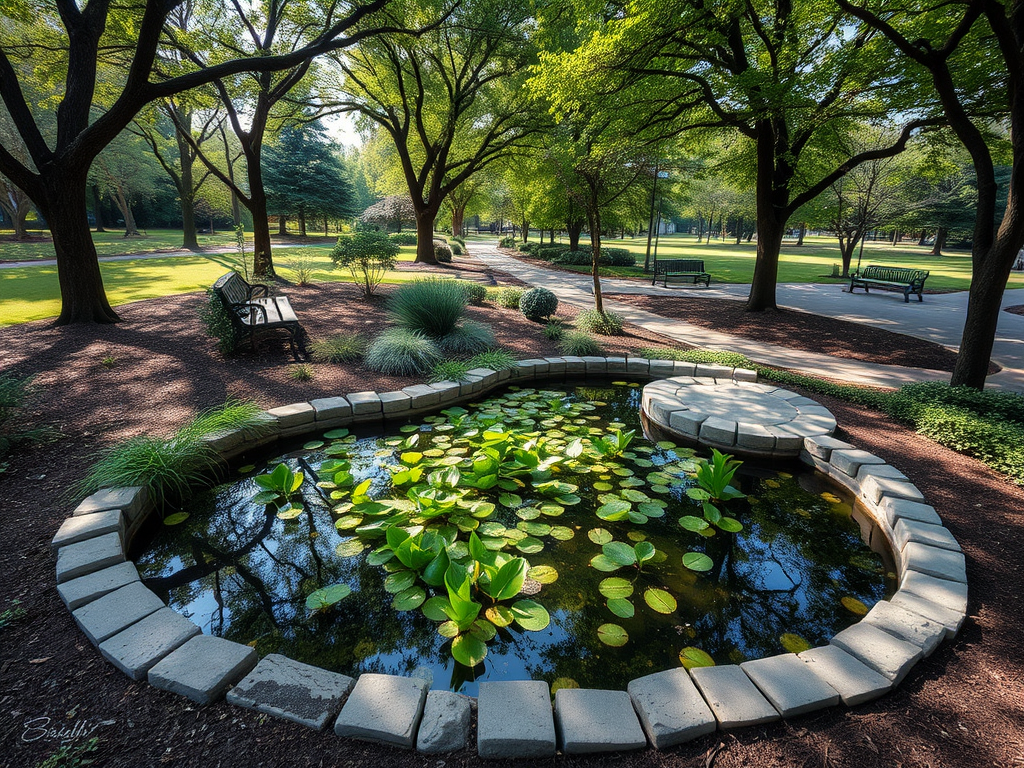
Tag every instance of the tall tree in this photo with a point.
(450, 99)
(77, 43)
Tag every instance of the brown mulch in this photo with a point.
(959, 708)
(801, 330)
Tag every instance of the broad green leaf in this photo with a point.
(613, 635)
(350, 548)
(176, 518)
(289, 512)
(325, 597)
(510, 500)
(530, 546)
(621, 607)
(659, 600)
(409, 599)
(604, 563)
(509, 579)
(561, 533)
(499, 615)
(644, 551)
(543, 574)
(483, 629)
(693, 523)
(599, 535)
(399, 581)
(619, 552)
(854, 606)
(448, 629)
(794, 643)
(469, 650)
(691, 657)
(614, 510)
(730, 525)
(615, 586)
(435, 608)
(697, 561)
(530, 615)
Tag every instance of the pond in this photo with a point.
(537, 534)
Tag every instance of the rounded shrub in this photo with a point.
(618, 257)
(403, 238)
(574, 258)
(509, 297)
(551, 252)
(603, 323)
(457, 249)
(475, 292)
(538, 303)
(579, 344)
(467, 338)
(402, 352)
(431, 307)
(442, 252)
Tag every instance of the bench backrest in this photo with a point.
(232, 289)
(679, 265)
(893, 274)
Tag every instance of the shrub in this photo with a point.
(15, 392)
(402, 352)
(1006, 406)
(467, 338)
(475, 292)
(618, 257)
(457, 249)
(538, 303)
(495, 359)
(610, 257)
(573, 258)
(442, 252)
(551, 252)
(554, 330)
(172, 467)
(367, 255)
(217, 321)
(528, 247)
(603, 323)
(300, 372)
(509, 297)
(706, 356)
(432, 307)
(579, 344)
(449, 370)
(998, 443)
(302, 266)
(340, 348)
(459, 240)
(507, 242)
(403, 238)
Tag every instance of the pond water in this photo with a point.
(572, 499)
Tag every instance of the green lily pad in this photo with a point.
(543, 574)
(484, 630)
(615, 586)
(176, 518)
(561, 533)
(535, 529)
(855, 606)
(730, 525)
(290, 512)
(448, 629)
(600, 485)
(349, 548)
(613, 635)
(659, 600)
(530, 546)
(313, 445)
(399, 582)
(794, 643)
(697, 561)
(433, 609)
(510, 500)
(619, 552)
(599, 536)
(530, 615)
(409, 599)
(500, 615)
(325, 597)
(691, 657)
(604, 563)
(551, 510)
(246, 469)
(621, 607)
(345, 522)
(337, 434)
(693, 523)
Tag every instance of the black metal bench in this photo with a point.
(691, 270)
(253, 310)
(901, 279)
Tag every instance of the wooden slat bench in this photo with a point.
(691, 270)
(901, 279)
(253, 310)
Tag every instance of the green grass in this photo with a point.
(810, 263)
(32, 293)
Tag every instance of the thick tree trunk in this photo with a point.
(846, 249)
(83, 299)
(97, 208)
(574, 228)
(186, 194)
(282, 225)
(988, 281)
(526, 230)
(940, 241)
(924, 237)
(425, 236)
(302, 222)
(766, 266)
(803, 231)
(262, 258)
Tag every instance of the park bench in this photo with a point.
(891, 279)
(691, 270)
(253, 310)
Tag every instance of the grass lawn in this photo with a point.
(32, 293)
(810, 263)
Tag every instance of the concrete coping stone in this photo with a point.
(384, 708)
(670, 707)
(591, 720)
(850, 460)
(906, 531)
(203, 668)
(136, 649)
(90, 555)
(115, 611)
(293, 415)
(131, 500)
(85, 589)
(821, 446)
(364, 403)
(790, 685)
(887, 654)
(853, 680)
(444, 726)
(897, 508)
(81, 527)
(514, 720)
(735, 700)
(949, 619)
(906, 625)
(423, 395)
(293, 691)
(934, 561)
(395, 402)
(949, 594)
(329, 408)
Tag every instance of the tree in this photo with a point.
(125, 171)
(450, 99)
(304, 176)
(16, 205)
(392, 211)
(123, 43)
(973, 52)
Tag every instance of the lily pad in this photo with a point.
(325, 597)
(854, 606)
(615, 586)
(599, 536)
(543, 574)
(530, 615)
(604, 563)
(176, 518)
(613, 635)
(659, 600)
(349, 548)
(510, 500)
(691, 657)
(313, 445)
(448, 629)
(794, 643)
(290, 512)
(561, 533)
(530, 546)
(409, 599)
(399, 582)
(434, 609)
(621, 607)
(500, 615)
(697, 561)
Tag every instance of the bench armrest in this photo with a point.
(251, 309)
(258, 291)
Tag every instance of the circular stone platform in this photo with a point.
(745, 418)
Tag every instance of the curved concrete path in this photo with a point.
(939, 319)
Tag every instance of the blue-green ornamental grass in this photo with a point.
(402, 352)
(536, 528)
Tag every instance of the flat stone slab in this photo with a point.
(949, 594)
(203, 668)
(596, 721)
(788, 683)
(934, 561)
(293, 691)
(514, 720)
(907, 531)
(85, 589)
(855, 681)
(734, 699)
(81, 527)
(950, 619)
(88, 556)
(887, 654)
(384, 708)
(136, 649)
(129, 500)
(114, 612)
(445, 723)
(670, 707)
(896, 509)
(752, 419)
(907, 625)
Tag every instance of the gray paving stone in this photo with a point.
(445, 723)
(331, 408)
(670, 707)
(203, 668)
(661, 368)
(85, 589)
(849, 460)
(791, 687)
(687, 422)
(734, 699)
(539, 365)
(514, 720)
(744, 374)
(293, 415)
(895, 508)
(595, 364)
(934, 561)
(754, 436)
(874, 488)
(949, 594)
(82, 527)
(716, 430)
(907, 625)
(887, 654)
(130, 500)
(136, 649)
(118, 610)
(293, 691)
(707, 370)
(555, 364)
(786, 440)
(364, 403)
(950, 619)
(855, 681)
(488, 377)
(880, 470)
(468, 385)
(907, 531)
(574, 364)
(616, 364)
(89, 556)
(821, 446)
(383, 708)
(590, 720)
(395, 402)
(447, 390)
(423, 395)
(679, 368)
(661, 407)
(638, 365)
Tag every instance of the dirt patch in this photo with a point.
(801, 330)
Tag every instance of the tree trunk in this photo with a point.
(739, 230)
(130, 229)
(924, 237)
(83, 299)
(594, 221)
(526, 230)
(750, 234)
(325, 226)
(895, 237)
(711, 228)
(846, 250)
(803, 231)
(186, 194)
(940, 241)
(282, 225)
(425, 236)
(302, 222)
(262, 258)
(574, 228)
(97, 206)
(988, 281)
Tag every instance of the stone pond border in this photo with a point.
(145, 639)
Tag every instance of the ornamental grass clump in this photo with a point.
(449, 370)
(467, 338)
(495, 359)
(538, 303)
(340, 348)
(431, 307)
(579, 344)
(603, 323)
(402, 352)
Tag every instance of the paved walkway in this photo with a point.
(939, 318)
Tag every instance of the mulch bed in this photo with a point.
(801, 330)
(961, 707)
